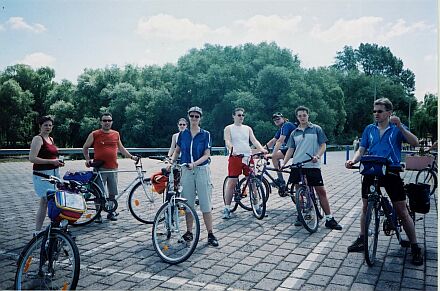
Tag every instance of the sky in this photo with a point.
(70, 36)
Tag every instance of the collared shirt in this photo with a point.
(388, 146)
(192, 149)
(286, 129)
(307, 141)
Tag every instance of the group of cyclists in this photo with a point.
(294, 141)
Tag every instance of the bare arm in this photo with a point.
(320, 152)
(288, 155)
(410, 137)
(227, 137)
(86, 146)
(172, 146)
(278, 143)
(123, 150)
(255, 142)
(357, 156)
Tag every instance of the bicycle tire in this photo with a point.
(317, 202)
(307, 210)
(59, 272)
(244, 194)
(93, 201)
(428, 176)
(143, 203)
(169, 226)
(234, 204)
(257, 198)
(371, 232)
(267, 187)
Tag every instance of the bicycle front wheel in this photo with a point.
(48, 263)
(428, 176)
(176, 232)
(93, 199)
(257, 198)
(307, 209)
(371, 231)
(143, 203)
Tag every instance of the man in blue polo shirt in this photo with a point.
(285, 128)
(384, 138)
(309, 138)
(194, 144)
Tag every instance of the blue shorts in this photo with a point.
(40, 186)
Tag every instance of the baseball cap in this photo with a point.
(196, 109)
(276, 115)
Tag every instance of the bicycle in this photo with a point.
(142, 201)
(51, 259)
(249, 184)
(429, 175)
(307, 202)
(176, 226)
(378, 206)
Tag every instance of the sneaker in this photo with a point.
(197, 202)
(112, 216)
(417, 256)
(297, 222)
(357, 246)
(98, 219)
(188, 236)
(226, 213)
(212, 241)
(332, 224)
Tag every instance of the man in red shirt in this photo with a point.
(106, 143)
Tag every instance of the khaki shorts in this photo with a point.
(109, 179)
(197, 181)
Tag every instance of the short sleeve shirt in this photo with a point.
(388, 146)
(307, 141)
(286, 129)
(192, 149)
(105, 145)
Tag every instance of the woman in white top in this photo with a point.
(182, 124)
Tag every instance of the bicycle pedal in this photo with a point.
(405, 243)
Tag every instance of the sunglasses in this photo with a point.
(195, 116)
(182, 124)
(107, 120)
(378, 111)
(277, 119)
(240, 115)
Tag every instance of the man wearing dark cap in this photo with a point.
(285, 128)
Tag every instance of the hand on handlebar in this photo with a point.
(349, 164)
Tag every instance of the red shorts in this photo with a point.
(236, 167)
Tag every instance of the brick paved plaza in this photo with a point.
(263, 254)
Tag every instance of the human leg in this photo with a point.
(41, 213)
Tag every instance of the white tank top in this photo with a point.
(240, 139)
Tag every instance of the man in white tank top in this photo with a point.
(237, 137)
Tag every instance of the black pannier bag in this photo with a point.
(419, 199)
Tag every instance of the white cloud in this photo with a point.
(18, 23)
(400, 28)
(37, 60)
(171, 28)
(2, 27)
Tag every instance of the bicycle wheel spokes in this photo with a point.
(257, 198)
(307, 211)
(143, 203)
(428, 176)
(371, 233)
(234, 204)
(243, 199)
(49, 264)
(171, 224)
(93, 206)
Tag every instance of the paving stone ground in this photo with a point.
(254, 254)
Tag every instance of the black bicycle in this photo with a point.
(429, 175)
(378, 207)
(251, 186)
(307, 202)
(51, 259)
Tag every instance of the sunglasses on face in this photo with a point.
(276, 119)
(240, 115)
(195, 116)
(182, 124)
(107, 120)
(378, 111)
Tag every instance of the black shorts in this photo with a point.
(313, 175)
(392, 183)
(284, 151)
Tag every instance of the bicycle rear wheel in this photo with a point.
(307, 209)
(371, 231)
(93, 199)
(257, 198)
(48, 263)
(234, 204)
(143, 203)
(428, 176)
(241, 197)
(170, 225)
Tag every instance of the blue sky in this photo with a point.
(73, 35)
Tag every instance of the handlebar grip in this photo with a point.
(41, 175)
(160, 158)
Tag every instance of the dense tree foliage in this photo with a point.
(147, 101)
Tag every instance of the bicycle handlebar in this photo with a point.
(299, 164)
